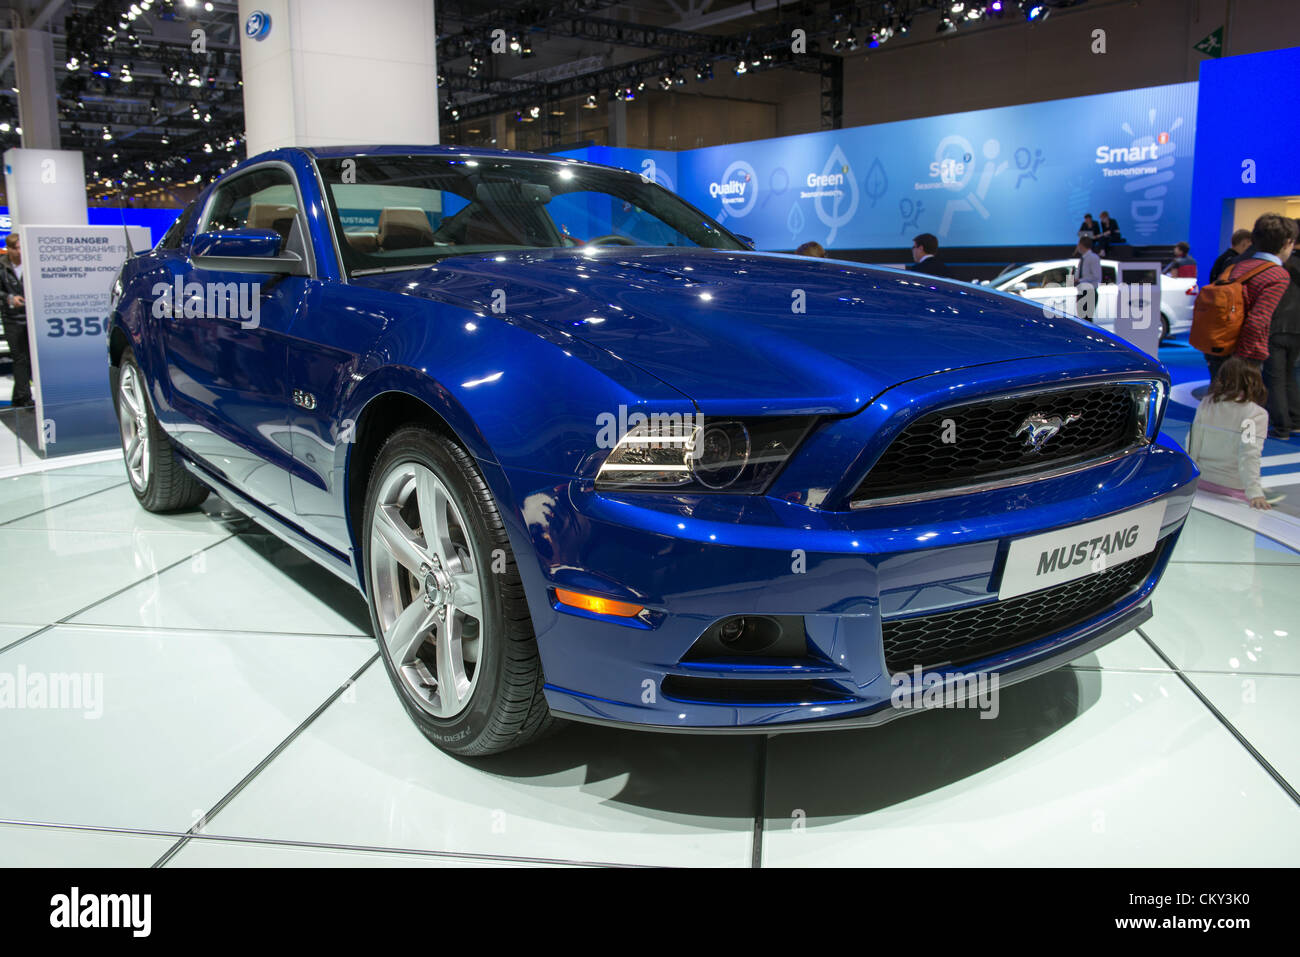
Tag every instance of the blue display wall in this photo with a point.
(155, 220)
(1012, 176)
(1247, 143)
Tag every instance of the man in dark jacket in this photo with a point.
(13, 295)
(1283, 356)
(925, 252)
(1110, 235)
(1236, 250)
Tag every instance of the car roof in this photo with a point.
(284, 154)
(1053, 263)
(375, 149)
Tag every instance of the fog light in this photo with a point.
(731, 630)
(750, 635)
(596, 604)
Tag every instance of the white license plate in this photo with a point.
(1052, 558)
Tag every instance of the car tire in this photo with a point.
(448, 610)
(1164, 327)
(158, 479)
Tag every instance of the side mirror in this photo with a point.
(245, 250)
(1019, 287)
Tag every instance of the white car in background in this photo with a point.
(1052, 281)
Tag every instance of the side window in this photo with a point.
(262, 199)
(1048, 277)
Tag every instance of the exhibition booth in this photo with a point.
(230, 690)
(994, 186)
(1016, 177)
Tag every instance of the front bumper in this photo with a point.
(1073, 649)
(695, 560)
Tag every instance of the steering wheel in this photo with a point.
(613, 239)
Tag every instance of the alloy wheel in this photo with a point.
(428, 588)
(133, 420)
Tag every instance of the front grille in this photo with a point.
(977, 442)
(968, 634)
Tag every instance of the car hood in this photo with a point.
(756, 333)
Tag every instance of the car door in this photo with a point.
(1107, 295)
(325, 359)
(224, 336)
(1048, 285)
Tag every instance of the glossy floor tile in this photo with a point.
(1265, 709)
(112, 466)
(362, 774)
(214, 665)
(1229, 618)
(1209, 538)
(48, 574)
(137, 729)
(199, 852)
(24, 495)
(1079, 768)
(25, 845)
(115, 509)
(252, 582)
(12, 633)
(1129, 652)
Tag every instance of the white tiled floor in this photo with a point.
(241, 718)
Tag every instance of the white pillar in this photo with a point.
(38, 111)
(45, 187)
(618, 122)
(336, 72)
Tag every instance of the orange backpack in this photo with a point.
(1219, 313)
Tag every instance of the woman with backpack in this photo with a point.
(1227, 437)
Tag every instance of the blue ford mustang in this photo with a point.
(588, 455)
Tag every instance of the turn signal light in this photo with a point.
(598, 605)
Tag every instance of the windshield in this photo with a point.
(1010, 273)
(395, 212)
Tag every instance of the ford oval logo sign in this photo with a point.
(258, 25)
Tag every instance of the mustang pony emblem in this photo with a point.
(1043, 427)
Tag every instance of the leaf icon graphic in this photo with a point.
(877, 183)
(795, 222)
(841, 212)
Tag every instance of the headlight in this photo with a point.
(725, 455)
(116, 293)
